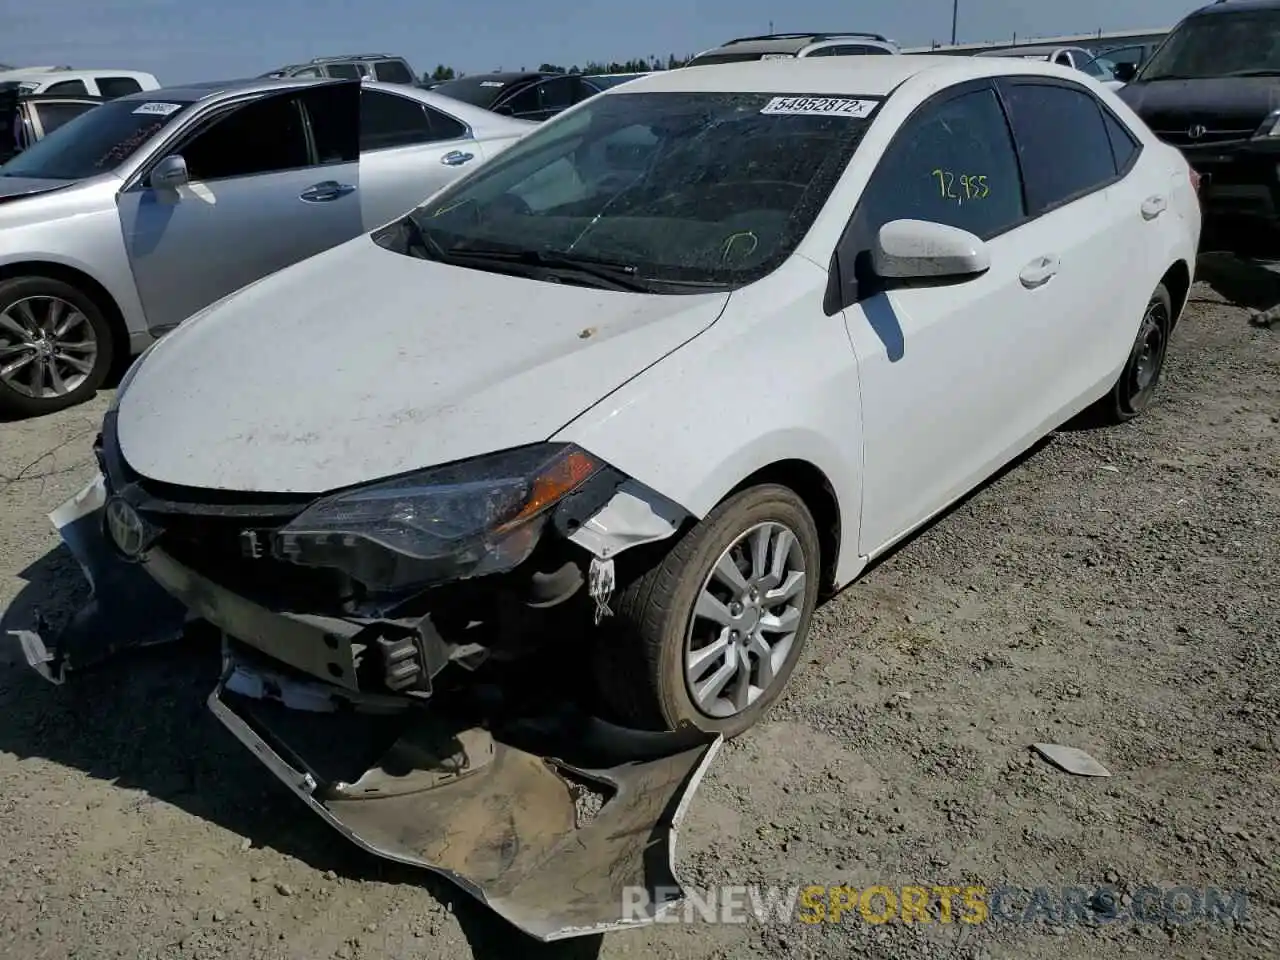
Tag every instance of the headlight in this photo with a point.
(1270, 126)
(461, 520)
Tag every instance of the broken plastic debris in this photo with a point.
(126, 608)
(1071, 759)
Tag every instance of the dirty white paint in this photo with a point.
(362, 363)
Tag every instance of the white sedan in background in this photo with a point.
(622, 405)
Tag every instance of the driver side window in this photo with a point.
(951, 163)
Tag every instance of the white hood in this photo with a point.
(361, 363)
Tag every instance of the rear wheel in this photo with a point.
(1136, 387)
(55, 346)
(711, 633)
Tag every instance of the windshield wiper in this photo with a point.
(612, 274)
(1254, 73)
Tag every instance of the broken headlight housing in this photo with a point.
(465, 519)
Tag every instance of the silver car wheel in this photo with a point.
(745, 620)
(47, 347)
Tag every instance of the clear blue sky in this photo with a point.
(180, 40)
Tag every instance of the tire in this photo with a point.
(1134, 390)
(641, 657)
(61, 371)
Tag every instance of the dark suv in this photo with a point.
(1212, 89)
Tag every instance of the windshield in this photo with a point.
(94, 142)
(1219, 45)
(1100, 67)
(679, 190)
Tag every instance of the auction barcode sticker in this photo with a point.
(820, 107)
(156, 109)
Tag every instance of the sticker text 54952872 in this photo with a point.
(820, 107)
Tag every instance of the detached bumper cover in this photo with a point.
(499, 813)
(126, 607)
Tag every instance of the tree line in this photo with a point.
(641, 65)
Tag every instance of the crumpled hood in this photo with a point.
(11, 188)
(361, 363)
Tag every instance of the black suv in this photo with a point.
(1212, 89)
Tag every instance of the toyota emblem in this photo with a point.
(1196, 132)
(128, 530)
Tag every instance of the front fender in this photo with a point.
(774, 380)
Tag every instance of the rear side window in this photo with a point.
(848, 50)
(112, 87)
(392, 71)
(1125, 147)
(445, 127)
(54, 115)
(390, 121)
(68, 87)
(347, 71)
(1062, 143)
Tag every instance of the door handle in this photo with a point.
(1039, 271)
(456, 158)
(325, 191)
(1153, 206)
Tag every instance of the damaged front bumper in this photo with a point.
(561, 823)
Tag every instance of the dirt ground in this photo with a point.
(1115, 591)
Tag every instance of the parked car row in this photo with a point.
(135, 215)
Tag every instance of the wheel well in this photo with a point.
(91, 288)
(1177, 280)
(812, 486)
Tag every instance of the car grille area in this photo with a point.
(235, 553)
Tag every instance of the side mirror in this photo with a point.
(169, 173)
(923, 250)
(1124, 72)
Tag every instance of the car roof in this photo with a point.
(58, 74)
(1235, 6)
(213, 88)
(852, 76)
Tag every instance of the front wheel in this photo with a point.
(1133, 392)
(55, 346)
(709, 636)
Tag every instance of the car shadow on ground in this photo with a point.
(140, 722)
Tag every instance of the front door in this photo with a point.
(272, 181)
(950, 373)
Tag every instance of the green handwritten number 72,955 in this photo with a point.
(972, 186)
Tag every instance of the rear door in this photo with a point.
(408, 150)
(1099, 241)
(272, 181)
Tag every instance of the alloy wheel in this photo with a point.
(47, 347)
(745, 620)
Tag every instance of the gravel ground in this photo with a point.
(1115, 591)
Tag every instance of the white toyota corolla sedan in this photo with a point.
(647, 387)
